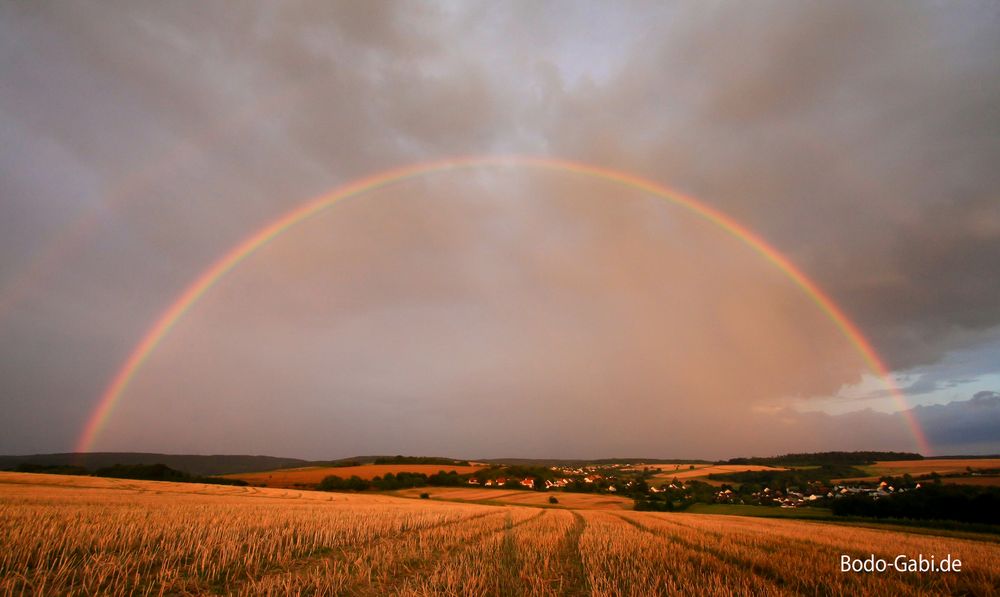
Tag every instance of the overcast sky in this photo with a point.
(500, 311)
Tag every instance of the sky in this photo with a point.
(500, 310)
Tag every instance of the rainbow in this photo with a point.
(204, 282)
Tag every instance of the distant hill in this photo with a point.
(583, 462)
(825, 458)
(388, 459)
(224, 464)
(189, 463)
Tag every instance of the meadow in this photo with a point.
(84, 536)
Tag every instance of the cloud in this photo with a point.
(859, 139)
(869, 128)
(963, 427)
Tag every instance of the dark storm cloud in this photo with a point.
(873, 130)
(861, 139)
(964, 426)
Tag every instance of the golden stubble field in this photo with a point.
(578, 501)
(311, 476)
(86, 536)
(941, 466)
(685, 473)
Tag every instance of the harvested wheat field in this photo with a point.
(941, 466)
(311, 476)
(705, 470)
(977, 481)
(580, 501)
(82, 536)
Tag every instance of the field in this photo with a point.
(979, 481)
(764, 511)
(84, 536)
(310, 476)
(702, 471)
(941, 466)
(587, 501)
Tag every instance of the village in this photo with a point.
(793, 498)
(646, 483)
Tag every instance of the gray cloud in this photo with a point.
(860, 139)
(871, 129)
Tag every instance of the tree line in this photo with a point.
(391, 481)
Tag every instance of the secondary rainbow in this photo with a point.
(116, 387)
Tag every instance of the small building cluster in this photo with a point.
(793, 498)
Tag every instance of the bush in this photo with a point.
(425, 496)
(655, 505)
(553, 500)
(401, 480)
(335, 483)
(445, 479)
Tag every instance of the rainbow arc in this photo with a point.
(211, 276)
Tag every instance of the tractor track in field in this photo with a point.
(765, 572)
(342, 553)
(576, 582)
(428, 565)
(798, 542)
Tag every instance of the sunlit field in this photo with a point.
(84, 536)
(941, 466)
(584, 501)
(948, 467)
(699, 471)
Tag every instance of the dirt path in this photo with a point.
(575, 575)
(339, 556)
